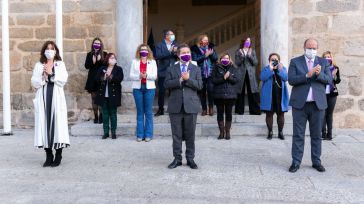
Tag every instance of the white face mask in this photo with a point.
(112, 61)
(310, 53)
(50, 54)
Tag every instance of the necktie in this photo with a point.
(184, 68)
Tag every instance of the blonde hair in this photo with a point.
(150, 53)
(332, 57)
(200, 37)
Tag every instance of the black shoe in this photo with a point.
(329, 136)
(49, 157)
(105, 136)
(159, 112)
(175, 164)
(324, 136)
(57, 158)
(293, 168)
(100, 119)
(113, 136)
(280, 135)
(192, 164)
(319, 168)
(270, 135)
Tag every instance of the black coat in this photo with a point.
(114, 86)
(225, 89)
(91, 83)
(335, 80)
(200, 58)
(164, 58)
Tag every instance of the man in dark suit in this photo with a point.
(184, 80)
(165, 54)
(308, 74)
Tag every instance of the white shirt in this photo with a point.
(169, 45)
(107, 90)
(310, 94)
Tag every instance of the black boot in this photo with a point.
(329, 135)
(227, 130)
(49, 157)
(160, 112)
(270, 135)
(222, 131)
(57, 158)
(280, 135)
(100, 118)
(113, 135)
(324, 135)
(96, 120)
(105, 136)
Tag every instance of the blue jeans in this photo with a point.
(144, 103)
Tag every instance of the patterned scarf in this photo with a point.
(206, 67)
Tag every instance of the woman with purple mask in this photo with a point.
(331, 96)
(224, 77)
(143, 73)
(94, 60)
(246, 60)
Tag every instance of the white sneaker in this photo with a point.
(139, 139)
(148, 139)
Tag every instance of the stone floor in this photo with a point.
(246, 169)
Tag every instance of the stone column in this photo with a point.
(129, 33)
(274, 29)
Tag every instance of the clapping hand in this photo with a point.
(226, 75)
(185, 76)
(317, 69)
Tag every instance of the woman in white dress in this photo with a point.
(50, 109)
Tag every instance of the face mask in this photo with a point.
(186, 57)
(112, 61)
(329, 60)
(96, 46)
(247, 44)
(172, 38)
(310, 53)
(225, 62)
(143, 53)
(50, 54)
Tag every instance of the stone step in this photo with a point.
(243, 125)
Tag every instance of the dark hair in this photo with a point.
(183, 45)
(107, 57)
(276, 54)
(101, 48)
(165, 32)
(223, 55)
(243, 41)
(43, 58)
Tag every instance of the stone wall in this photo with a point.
(339, 27)
(32, 22)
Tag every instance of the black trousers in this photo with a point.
(314, 116)
(253, 99)
(183, 128)
(224, 106)
(161, 92)
(207, 92)
(329, 112)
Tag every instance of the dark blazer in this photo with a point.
(225, 89)
(114, 86)
(199, 57)
(335, 80)
(301, 85)
(164, 57)
(91, 83)
(184, 93)
(248, 63)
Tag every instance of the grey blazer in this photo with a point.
(301, 85)
(184, 93)
(247, 63)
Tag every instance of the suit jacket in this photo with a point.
(114, 86)
(183, 93)
(164, 58)
(301, 85)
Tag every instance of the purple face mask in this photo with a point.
(96, 46)
(186, 57)
(247, 44)
(329, 60)
(143, 53)
(225, 62)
